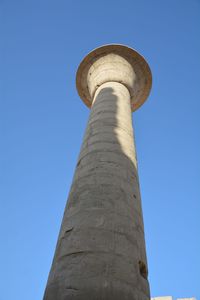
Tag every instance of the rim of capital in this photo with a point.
(138, 63)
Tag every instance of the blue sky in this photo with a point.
(43, 120)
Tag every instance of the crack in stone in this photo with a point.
(71, 288)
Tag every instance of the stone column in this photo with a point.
(100, 253)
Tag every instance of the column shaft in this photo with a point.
(100, 252)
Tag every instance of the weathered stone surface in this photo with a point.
(114, 63)
(100, 253)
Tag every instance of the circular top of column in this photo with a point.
(117, 63)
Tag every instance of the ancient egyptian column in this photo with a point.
(100, 253)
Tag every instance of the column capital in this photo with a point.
(116, 63)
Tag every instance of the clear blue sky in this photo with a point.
(43, 120)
